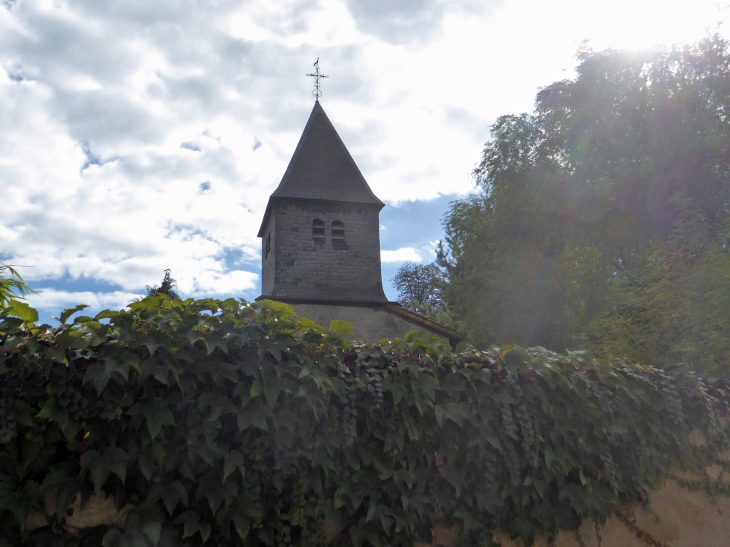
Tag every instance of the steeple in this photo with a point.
(321, 232)
(322, 168)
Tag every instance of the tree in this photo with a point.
(13, 286)
(677, 308)
(576, 199)
(419, 287)
(167, 287)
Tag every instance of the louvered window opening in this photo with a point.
(268, 245)
(338, 231)
(318, 229)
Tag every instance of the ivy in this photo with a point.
(228, 423)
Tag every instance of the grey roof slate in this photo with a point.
(322, 168)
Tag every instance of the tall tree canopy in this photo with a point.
(167, 287)
(588, 199)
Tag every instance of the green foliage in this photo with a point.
(419, 286)
(420, 289)
(677, 307)
(577, 199)
(236, 424)
(12, 286)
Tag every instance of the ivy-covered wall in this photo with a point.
(224, 423)
(676, 516)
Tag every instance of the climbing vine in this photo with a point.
(230, 423)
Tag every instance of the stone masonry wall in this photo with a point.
(267, 263)
(305, 268)
(371, 323)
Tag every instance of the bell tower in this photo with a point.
(321, 231)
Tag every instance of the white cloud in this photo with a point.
(50, 299)
(115, 113)
(404, 254)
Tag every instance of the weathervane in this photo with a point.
(317, 92)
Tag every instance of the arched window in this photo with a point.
(318, 229)
(338, 236)
(268, 245)
(338, 230)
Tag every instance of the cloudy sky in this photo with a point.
(139, 135)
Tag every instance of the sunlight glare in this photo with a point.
(638, 24)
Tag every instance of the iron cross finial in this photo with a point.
(317, 91)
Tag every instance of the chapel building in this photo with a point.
(321, 242)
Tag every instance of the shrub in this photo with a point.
(230, 423)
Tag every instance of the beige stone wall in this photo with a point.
(371, 323)
(677, 517)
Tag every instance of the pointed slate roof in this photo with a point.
(322, 168)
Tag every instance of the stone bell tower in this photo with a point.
(321, 231)
(320, 240)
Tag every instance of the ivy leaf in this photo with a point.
(305, 322)
(251, 508)
(215, 498)
(54, 413)
(215, 403)
(398, 391)
(428, 385)
(243, 421)
(583, 479)
(117, 462)
(493, 440)
(440, 414)
(548, 457)
(100, 373)
(190, 521)
(146, 464)
(22, 310)
(68, 312)
(242, 525)
(99, 472)
(272, 390)
(154, 342)
(174, 494)
(231, 461)
(107, 314)
(111, 538)
(258, 418)
(341, 327)
(449, 411)
(254, 414)
(152, 529)
(157, 415)
(204, 531)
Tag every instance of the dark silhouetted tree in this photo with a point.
(167, 287)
